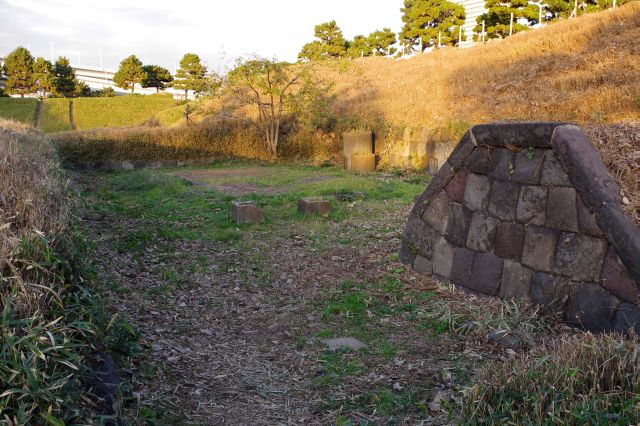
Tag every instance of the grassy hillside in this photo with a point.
(22, 110)
(54, 116)
(584, 70)
(120, 111)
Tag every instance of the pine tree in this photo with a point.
(65, 78)
(191, 75)
(18, 69)
(359, 47)
(156, 76)
(381, 40)
(330, 43)
(43, 77)
(497, 19)
(427, 21)
(129, 73)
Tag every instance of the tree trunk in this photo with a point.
(133, 87)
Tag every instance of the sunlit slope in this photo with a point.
(584, 70)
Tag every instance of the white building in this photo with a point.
(473, 9)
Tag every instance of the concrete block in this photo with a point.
(455, 188)
(314, 206)
(423, 265)
(246, 212)
(437, 213)
(504, 164)
(462, 266)
(357, 143)
(479, 161)
(553, 173)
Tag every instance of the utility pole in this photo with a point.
(511, 25)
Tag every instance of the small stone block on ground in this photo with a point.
(343, 343)
(314, 206)
(246, 212)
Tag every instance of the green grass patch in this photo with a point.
(18, 109)
(118, 111)
(54, 116)
(170, 116)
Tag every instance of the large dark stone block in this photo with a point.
(536, 134)
(479, 161)
(582, 163)
(553, 173)
(435, 187)
(462, 266)
(562, 213)
(549, 291)
(477, 190)
(504, 200)
(539, 248)
(486, 274)
(528, 166)
(504, 164)
(455, 188)
(591, 307)
(628, 319)
(509, 240)
(407, 254)
(516, 281)
(458, 226)
(437, 213)
(462, 150)
(532, 205)
(482, 232)
(423, 265)
(443, 258)
(421, 237)
(579, 257)
(586, 220)
(616, 278)
(623, 235)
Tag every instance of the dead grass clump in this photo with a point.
(32, 194)
(619, 146)
(580, 379)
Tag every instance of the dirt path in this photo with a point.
(232, 333)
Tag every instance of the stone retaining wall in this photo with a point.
(131, 165)
(528, 210)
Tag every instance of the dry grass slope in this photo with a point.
(582, 70)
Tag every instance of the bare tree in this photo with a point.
(274, 88)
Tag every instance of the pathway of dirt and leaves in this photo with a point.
(224, 324)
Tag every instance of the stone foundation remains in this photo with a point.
(528, 210)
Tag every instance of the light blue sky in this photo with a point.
(161, 31)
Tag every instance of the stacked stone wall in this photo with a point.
(528, 210)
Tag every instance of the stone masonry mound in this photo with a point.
(528, 210)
